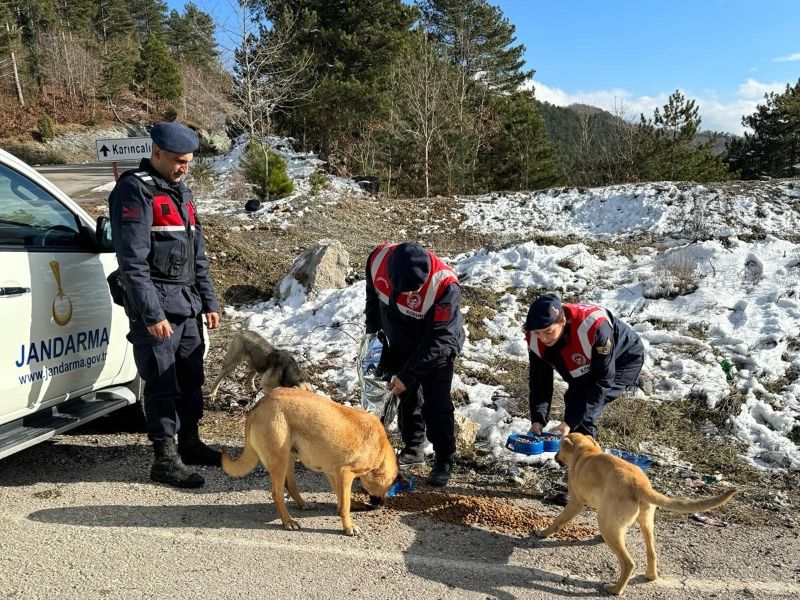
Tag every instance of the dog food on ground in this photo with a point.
(491, 513)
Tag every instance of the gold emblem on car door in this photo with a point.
(62, 304)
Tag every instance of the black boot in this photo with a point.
(194, 452)
(169, 468)
(440, 474)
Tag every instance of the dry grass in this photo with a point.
(480, 302)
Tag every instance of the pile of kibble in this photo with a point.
(495, 514)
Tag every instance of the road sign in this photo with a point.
(123, 149)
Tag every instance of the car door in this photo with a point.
(63, 336)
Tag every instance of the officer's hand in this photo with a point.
(162, 330)
(212, 320)
(536, 428)
(396, 386)
(562, 428)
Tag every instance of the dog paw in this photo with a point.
(613, 589)
(651, 576)
(540, 533)
(291, 525)
(307, 505)
(351, 531)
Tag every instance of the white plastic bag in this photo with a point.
(375, 397)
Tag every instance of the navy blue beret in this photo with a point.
(544, 311)
(174, 137)
(409, 266)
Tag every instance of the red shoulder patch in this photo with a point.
(442, 312)
(131, 212)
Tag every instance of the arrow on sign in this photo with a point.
(104, 150)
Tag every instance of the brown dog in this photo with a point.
(342, 442)
(622, 494)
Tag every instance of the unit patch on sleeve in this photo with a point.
(605, 349)
(131, 212)
(441, 313)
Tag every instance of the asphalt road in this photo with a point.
(77, 181)
(79, 518)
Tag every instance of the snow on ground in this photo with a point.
(663, 209)
(229, 192)
(719, 316)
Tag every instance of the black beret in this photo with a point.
(409, 266)
(174, 137)
(544, 311)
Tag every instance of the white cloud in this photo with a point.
(755, 90)
(718, 115)
(790, 58)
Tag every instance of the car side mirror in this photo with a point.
(102, 234)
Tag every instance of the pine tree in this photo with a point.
(520, 156)
(266, 171)
(150, 17)
(354, 44)
(773, 147)
(479, 40)
(157, 73)
(76, 16)
(190, 37)
(119, 66)
(113, 21)
(669, 150)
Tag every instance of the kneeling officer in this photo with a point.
(596, 354)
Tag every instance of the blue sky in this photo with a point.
(725, 54)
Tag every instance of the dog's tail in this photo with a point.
(683, 505)
(239, 467)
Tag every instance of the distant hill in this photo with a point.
(572, 127)
(720, 145)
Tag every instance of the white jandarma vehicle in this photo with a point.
(64, 357)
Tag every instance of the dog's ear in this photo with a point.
(566, 444)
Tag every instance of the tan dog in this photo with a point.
(342, 442)
(622, 494)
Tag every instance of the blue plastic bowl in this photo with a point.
(400, 487)
(642, 461)
(524, 444)
(552, 441)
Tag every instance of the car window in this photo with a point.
(30, 217)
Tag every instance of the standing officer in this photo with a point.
(596, 354)
(163, 271)
(413, 297)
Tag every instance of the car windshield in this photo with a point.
(30, 217)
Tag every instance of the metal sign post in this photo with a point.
(120, 149)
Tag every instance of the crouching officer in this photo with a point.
(596, 354)
(163, 271)
(414, 298)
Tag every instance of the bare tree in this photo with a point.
(267, 77)
(70, 66)
(8, 43)
(207, 95)
(420, 85)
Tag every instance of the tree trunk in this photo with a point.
(427, 166)
(17, 84)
